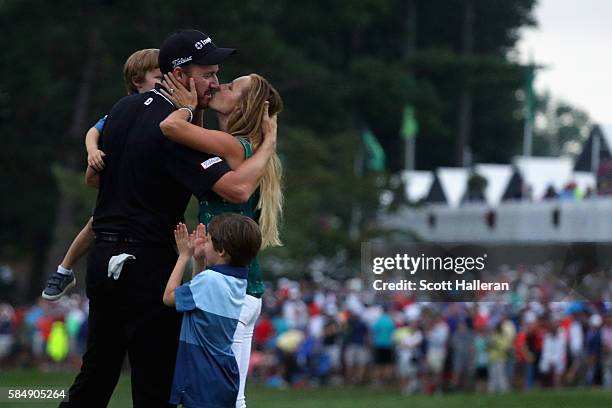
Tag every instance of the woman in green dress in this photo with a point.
(246, 111)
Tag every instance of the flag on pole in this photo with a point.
(410, 126)
(375, 155)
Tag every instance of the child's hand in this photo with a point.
(184, 242)
(199, 241)
(95, 159)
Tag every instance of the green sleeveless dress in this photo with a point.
(212, 205)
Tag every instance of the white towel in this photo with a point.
(115, 265)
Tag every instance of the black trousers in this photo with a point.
(127, 316)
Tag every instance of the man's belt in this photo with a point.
(116, 238)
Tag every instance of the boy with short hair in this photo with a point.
(140, 74)
(206, 373)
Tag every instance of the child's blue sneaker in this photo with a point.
(57, 285)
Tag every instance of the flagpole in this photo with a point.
(358, 170)
(530, 110)
(410, 34)
(408, 131)
(409, 154)
(527, 138)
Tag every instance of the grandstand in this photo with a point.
(534, 199)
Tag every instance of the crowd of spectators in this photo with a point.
(323, 332)
(45, 335)
(308, 335)
(569, 192)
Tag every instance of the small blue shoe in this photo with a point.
(57, 285)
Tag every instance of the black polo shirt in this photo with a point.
(148, 179)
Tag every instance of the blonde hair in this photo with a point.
(137, 65)
(246, 122)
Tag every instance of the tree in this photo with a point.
(561, 129)
(340, 66)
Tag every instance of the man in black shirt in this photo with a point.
(143, 193)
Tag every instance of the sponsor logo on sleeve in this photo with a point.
(148, 101)
(213, 160)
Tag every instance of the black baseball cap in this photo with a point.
(190, 47)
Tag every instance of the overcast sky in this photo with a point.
(574, 40)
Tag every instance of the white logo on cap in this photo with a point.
(181, 61)
(200, 44)
(213, 160)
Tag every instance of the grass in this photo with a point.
(261, 397)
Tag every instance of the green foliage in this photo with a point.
(561, 128)
(321, 188)
(340, 66)
(71, 185)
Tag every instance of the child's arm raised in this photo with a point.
(95, 156)
(185, 248)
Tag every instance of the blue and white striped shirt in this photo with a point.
(206, 373)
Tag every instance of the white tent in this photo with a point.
(606, 129)
(497, 176)
(417, 184)
(540, 172)
(453, 181)
(597, 147)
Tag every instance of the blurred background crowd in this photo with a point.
(320, 332)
